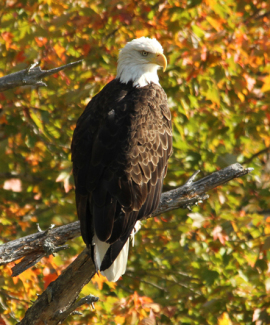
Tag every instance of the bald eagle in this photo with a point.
(120, 149)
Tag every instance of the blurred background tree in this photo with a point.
(208, 266)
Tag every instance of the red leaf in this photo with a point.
(2, 322)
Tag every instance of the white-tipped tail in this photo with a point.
(118, 268)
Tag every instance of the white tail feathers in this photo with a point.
(118, 268)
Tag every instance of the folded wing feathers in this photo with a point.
(120, 158)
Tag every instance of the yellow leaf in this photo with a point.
(215, 23)
(241, 97)
(267, 229)
(37, 120)
(266, 86)
(224, 319)
(119, 320)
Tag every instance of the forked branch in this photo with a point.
(59, 299)
(43, 243)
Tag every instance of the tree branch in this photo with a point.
(36, 246)
(31, 76)
(43, 243)
(59, 299)
(193, 192)
(248, 160)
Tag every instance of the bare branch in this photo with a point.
(44, 243)
(31, 76)
(59, 299)
(33, 247)
(194, 192)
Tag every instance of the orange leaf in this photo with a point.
(60, 50)
(140, 33)
(49, 278)
(7, 37)
(99, 279)
(41, 41)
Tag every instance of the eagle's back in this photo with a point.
(120, 150)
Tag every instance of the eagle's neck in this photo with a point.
(140, 74)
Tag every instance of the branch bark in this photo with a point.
(31, 76)
(59, 299)
(36, 246)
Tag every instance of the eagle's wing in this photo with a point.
(120, 150)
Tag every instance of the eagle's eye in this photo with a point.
(144, 53)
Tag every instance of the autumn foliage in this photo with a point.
(208, 266)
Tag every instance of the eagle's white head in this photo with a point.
(139, 61)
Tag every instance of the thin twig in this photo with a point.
(249, 160)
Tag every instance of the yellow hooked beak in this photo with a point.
(160, 59)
